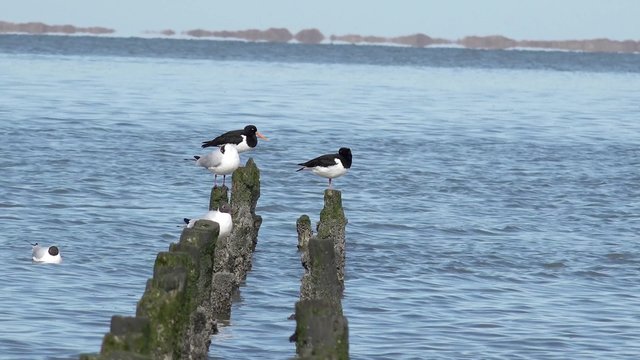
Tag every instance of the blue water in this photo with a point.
(493, 201)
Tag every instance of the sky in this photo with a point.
(449, 19)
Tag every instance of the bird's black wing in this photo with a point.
(231, 137)
(324, 161)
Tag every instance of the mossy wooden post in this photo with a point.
(321, 328)
(219, 195)
(321, 332)
(305, 234)
(223, 281)
(233, 255)
(192, 283)
(320, 281)
(303, 226)
(200, 242)
(173, 318)
(246, 224)
(332, 226)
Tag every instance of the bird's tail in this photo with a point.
(195, 158)
(186, 221)
(302, 168)
(206, 144)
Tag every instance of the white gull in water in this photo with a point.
(46, 254)
(222, 216)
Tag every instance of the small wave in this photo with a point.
(485, 326)
(10, 204)
(618, 256)
(591, 274)
(555, 265)
(457, 269)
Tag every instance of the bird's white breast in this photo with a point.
(332, 171)
(229, 163)
(225, 223)
(243, 146)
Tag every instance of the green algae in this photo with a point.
(332, 219)
(219, 195)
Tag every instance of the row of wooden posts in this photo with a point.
(193, 282)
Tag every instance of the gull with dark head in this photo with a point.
(222, 216)
(45, 254)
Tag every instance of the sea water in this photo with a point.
(493, 202)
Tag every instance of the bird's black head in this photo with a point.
(250, 129)
(53, 250)
(345, 153)
(225, 208)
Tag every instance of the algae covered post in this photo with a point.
(303, 226)
(234, 254)
(192, 283)
(321, 328)
(332, 226)
(172, 319)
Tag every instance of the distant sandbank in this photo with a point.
(315, 36)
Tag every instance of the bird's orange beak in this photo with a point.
(261, 136)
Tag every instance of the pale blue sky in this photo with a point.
(451, 19)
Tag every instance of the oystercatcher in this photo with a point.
(330, 165)
(245, 139)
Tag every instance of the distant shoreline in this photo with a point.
(314, 36)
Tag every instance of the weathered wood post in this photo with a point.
(192, 283)
(321, 328)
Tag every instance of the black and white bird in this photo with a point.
(222, 161)
(46, 254)
(222, 216)
(245, 139)
(330, 165)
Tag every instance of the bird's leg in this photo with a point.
(224, 177)
(329, 183)
(215, 180)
